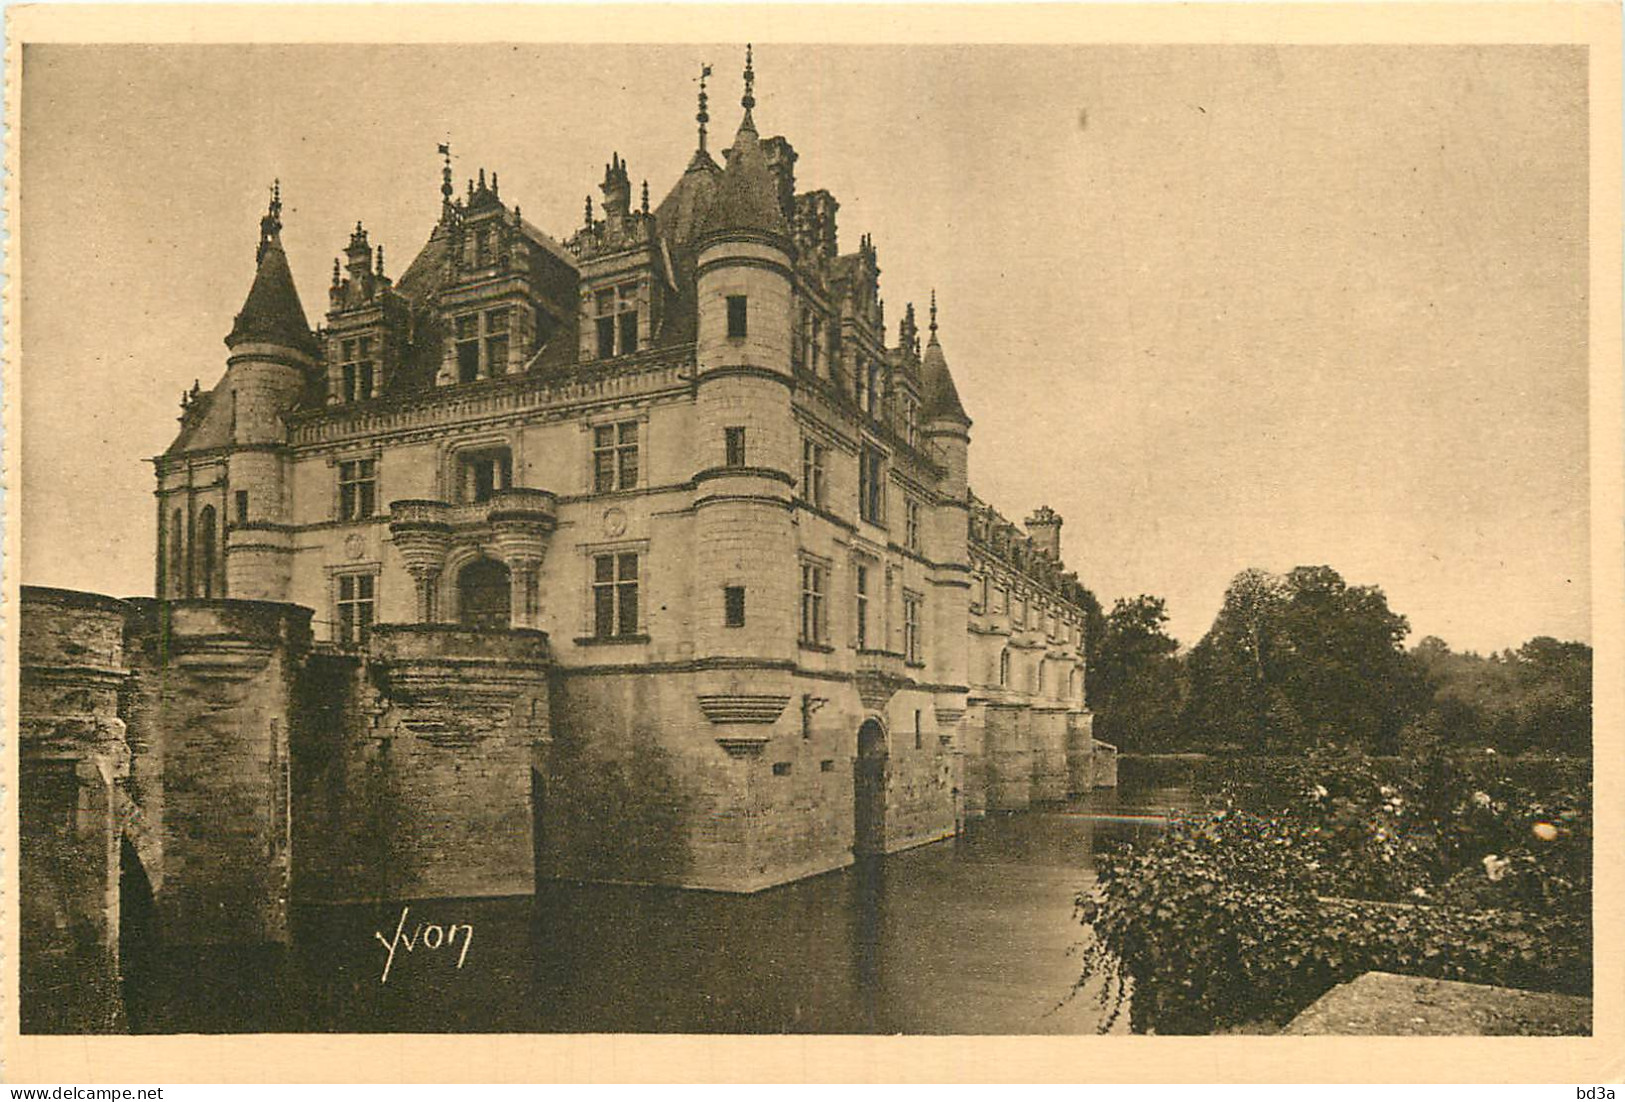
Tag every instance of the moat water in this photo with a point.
(972, 935)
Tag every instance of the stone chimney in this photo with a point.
(1044, 527)
(781, 161)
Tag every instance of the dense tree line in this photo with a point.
(1305, 659)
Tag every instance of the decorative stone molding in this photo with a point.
(743, 707)
(743, 746)
(948, 716)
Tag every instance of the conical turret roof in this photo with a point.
(941, 398)
(747, 197)
(272, 313)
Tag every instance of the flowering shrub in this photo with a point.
(1302, 873)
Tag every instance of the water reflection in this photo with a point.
(968, 936)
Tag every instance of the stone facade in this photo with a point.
(641, 556)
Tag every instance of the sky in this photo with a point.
(1219, 306)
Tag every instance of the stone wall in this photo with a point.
(413, 766)
(220, 704)
(72, 758)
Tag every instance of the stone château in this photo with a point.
(645, 554)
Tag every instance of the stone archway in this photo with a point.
(484, 595)
(869, 770)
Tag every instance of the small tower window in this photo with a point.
(241, 499)
(734, 440)
(736, 316)
(733, 606)
(1004, 667)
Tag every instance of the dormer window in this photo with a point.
(483, 344)
(356, 371)
(617, 313)
(496, 342)
(468, 348)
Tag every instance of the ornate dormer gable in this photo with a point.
(626, 275)
(367, 322)
(507, 292)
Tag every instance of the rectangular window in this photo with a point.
(615, 595)
(734, 441)
(468, 348)
(919, 733)
(348, 371)
(242, 506)
(863, 608)
(912, 603)
(911, 526)
(617, 315)
(628, 332)
(814, 585)
(736, 315)
(358, 489)
(615, 457)
(496, 342)
(733, 606)
(355, 607)
(982, 604)
(812, 472)
(911, 422)
(871, 485)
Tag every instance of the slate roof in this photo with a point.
(747, 196)
(941, 398)
(272, 313)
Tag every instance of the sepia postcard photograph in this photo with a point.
(923, 526)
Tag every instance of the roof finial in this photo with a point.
(380, 262)
(482, 178)
(493, 183)
(271, 222)
(337, 279)
(933, 313)
(749, 99)
(645, 197)
(704, 116)
(589, 213)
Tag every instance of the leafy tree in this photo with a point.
(1137, 679)
(1302, 659)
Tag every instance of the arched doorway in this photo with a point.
(483, 595)
(869, 791)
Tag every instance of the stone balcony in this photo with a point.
(523, 503)
(516, 524)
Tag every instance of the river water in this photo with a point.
(972, 935)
